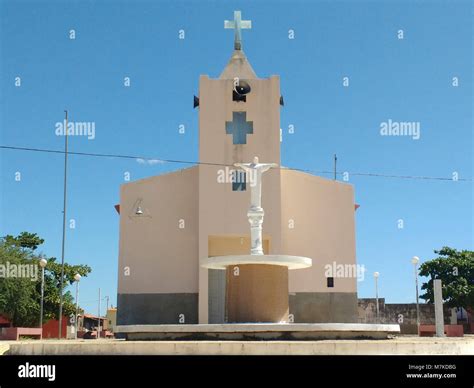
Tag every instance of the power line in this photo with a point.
(109, 155)
(135, 157)
(410, 177)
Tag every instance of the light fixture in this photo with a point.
(139, 211)
(42, 264)
(77, 277)
(415, 260)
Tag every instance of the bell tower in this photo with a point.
(239, 118)
(239, 113)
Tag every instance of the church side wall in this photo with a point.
(318, 222)
(158, 261)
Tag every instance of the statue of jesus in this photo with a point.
(255, 214)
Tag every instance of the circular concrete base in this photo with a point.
(257, 293)
(245, 332)
(222, 262)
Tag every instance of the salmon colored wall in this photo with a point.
(324, 229)
(162, 257)
(233, 245)
(258, 294)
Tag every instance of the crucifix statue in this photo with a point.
(255, 213)
(238, 25)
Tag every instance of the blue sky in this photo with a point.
(406, 79)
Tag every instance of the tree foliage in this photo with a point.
(24, 240)
(20, 297)
(456, 271)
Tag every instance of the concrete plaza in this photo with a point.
(399, 345)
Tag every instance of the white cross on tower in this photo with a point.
(238, 24)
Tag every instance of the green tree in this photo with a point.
(17, 295)
(24, 240)
(20, 298)
(456, 271)
(52, 285)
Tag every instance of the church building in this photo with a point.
(169, 222)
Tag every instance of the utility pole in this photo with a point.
(64, 226)
(376, 277)
(438, 302)
(98, 327)
(415, 261)
(335, 167)
(42, 264)
(107, 313)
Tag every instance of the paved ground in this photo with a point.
(401, 345)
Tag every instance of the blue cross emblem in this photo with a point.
(239, 127)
